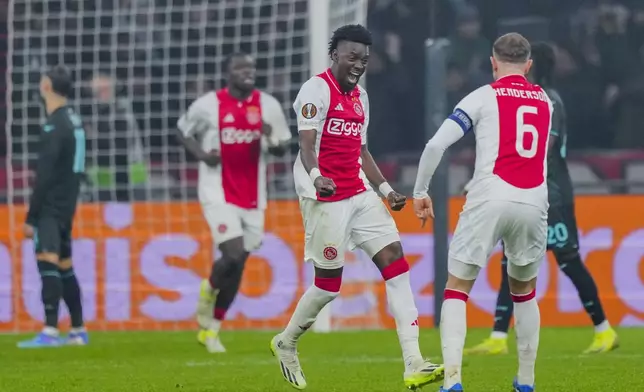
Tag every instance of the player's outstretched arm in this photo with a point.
(449, 133)
(370, 168)
(47, 157)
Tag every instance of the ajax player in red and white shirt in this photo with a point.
(230, 131)
(507, 200)
(339, 208)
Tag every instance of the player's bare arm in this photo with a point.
(324, 185)
(374, 175)
(210, 158)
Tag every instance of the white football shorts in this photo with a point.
(523, 228)
(361, 221)
(227, 221)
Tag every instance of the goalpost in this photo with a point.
(141, 244)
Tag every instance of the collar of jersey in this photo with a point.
(247, 100)
(336, 84)
(513, 76)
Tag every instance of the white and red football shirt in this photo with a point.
(233, 127)
(511, 121)
(341, 120)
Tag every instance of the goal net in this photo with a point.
(141, 244)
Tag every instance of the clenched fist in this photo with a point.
(267, 129)
(211, 158)
(396, 201)
(324, 186)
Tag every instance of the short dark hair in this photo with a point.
(543, 56)
(353, 33)
(512, 48)
(61, 80)
(233, 56)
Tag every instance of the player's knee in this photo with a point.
(233, 251)
(461, 276)
(566, 256)
(522, 279)
(48, 257)
(48, 269)
(571, 264)
(239, 259)
(462, 271)
(329, 281)
(65, 264)
(388, 255)
(521, 288)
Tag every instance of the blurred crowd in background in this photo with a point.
(600, 61)
(141, 62)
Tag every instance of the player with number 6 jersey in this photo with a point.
(562, 238)
(230, 131)
(340, 210)
(507, 200)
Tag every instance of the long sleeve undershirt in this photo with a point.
(449, 133)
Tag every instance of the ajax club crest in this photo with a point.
(253, 115)
(358, 109)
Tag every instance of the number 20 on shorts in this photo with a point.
(557, 234)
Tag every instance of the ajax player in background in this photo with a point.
(341, 211)
(230, 131)
(507, 200)
(562, 238)
(60, 168)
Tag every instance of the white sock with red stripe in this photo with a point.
(400, 299)
(527, 322)
(453, 331)
(323, 291)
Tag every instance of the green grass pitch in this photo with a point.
(337, 362)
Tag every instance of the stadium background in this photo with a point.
(141, 243)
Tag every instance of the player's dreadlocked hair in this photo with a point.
(543, 56)
(353, 32)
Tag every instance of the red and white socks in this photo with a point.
(402, 307)
(323, 291)
(453, 328)
(527, 323)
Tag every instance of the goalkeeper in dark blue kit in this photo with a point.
(562, 238)
(60, 167)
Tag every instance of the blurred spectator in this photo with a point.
(470, 52)
(119, 162)
(468, 64)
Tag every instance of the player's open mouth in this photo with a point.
(354, 76)
(249, 80)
